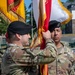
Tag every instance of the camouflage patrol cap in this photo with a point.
(53, 24)
(19, 27)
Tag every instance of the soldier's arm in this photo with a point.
(39, 56)
(46, 55)
(71, 58)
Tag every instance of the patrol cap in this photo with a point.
(19, 27)
(53, 24)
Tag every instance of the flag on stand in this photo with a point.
(12, 10)
(45, 11)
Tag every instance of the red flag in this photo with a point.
(44, 17)
(44, 68)
(46, 21)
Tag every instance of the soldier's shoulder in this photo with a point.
(65, 43)
(66, 46)
(16, 52)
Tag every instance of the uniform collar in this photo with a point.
(15, 45)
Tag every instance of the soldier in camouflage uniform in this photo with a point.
(19, 59)
(65, 61)
(2, 50)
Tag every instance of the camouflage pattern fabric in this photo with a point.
(22, 61)
(64, 63)
(2, 50)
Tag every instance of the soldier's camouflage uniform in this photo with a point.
(21, 61)
(64, 63)
(2, 50)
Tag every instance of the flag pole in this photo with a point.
(31, 19)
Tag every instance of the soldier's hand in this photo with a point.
(46, 35)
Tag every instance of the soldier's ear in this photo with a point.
(18, 36)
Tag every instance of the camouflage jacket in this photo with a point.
(22, 61)
(2, 50)
(64, 63)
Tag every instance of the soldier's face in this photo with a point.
(25, 39)
(56, 34)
